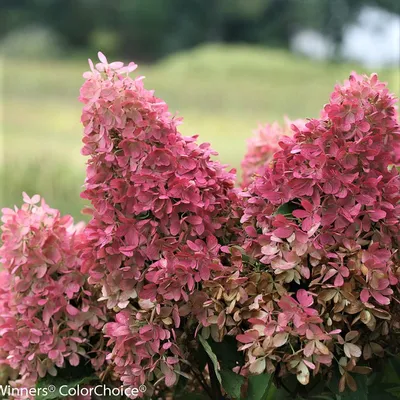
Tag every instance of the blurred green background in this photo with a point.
(223, 65)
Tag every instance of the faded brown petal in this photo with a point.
(327, 295)
(303, 374)
(342, 384)
(377, 349)
(258, 366)
(280, 339)
(351, 350)
(362, 370)
(351, 383)
(351, 336)
(367, 352)
(365, 317)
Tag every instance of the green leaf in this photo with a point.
(201, 358)
(232, 383)
(391, 392)
(259, 387)
(228, 357)
(277, 394)
(66, 379)
(394, 392)
(212, 356)
(386, 382)
(391, 373)
(227, 352)
(287, 208)
(143, 215)
(323, 397)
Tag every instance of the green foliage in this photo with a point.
(149, 29)
(31, 41)
(228, 357)
(232, 383)
(66, 379)
(259, 386)
(224, 357)
(287, 209)
(212, 356)
(383, 384)
(227, 353)
(387, 382)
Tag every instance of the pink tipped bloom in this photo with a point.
(322, 215)
(262, 147)
(48, 316)
(161, 208)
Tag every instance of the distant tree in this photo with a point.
(153, 28)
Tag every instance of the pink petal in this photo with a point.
(71, 310)
(364, 295)
(283, 232)
(102, 57)
(248, 337)
(376, 215)
(380, 298)
(339, 281)
(329, 274)
(304, 298)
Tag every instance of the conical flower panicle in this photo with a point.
(49, 317)
(262, 146)
(321, 224)
(161, 209)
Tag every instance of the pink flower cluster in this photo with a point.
(262, 147)
(162, 208)
(48, 315)
(321, 230)
(301, 267)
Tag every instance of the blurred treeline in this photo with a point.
(150, 29)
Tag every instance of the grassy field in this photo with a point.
(222, 93)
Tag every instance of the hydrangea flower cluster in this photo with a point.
(161, 209)
(320, 273)
(49, 317)
(301, 267)
(262, 146)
